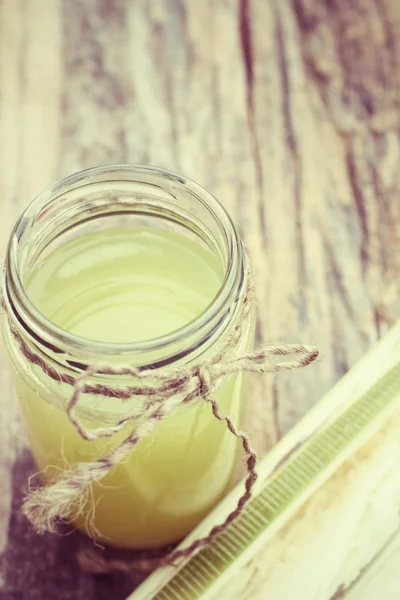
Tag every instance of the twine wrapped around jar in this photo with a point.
(161, 394)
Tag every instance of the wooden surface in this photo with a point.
(288, 111)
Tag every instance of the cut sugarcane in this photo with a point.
(326, 501)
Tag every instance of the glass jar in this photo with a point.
(177, 474)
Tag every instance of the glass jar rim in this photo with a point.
(48, 330)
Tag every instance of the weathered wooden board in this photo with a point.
(288, 111)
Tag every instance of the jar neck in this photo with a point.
(122, 195)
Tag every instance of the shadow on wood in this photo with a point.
(44, 566)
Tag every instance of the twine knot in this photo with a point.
(204, 380)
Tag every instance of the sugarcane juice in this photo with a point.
(123, 286)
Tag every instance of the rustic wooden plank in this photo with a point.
(9, 57)
(327, 224)
(279, 108)
(27, 164)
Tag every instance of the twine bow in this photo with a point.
(160, 394)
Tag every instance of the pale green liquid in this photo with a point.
(129, 285)
(126, 285)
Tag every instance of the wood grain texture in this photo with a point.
(287, 111)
